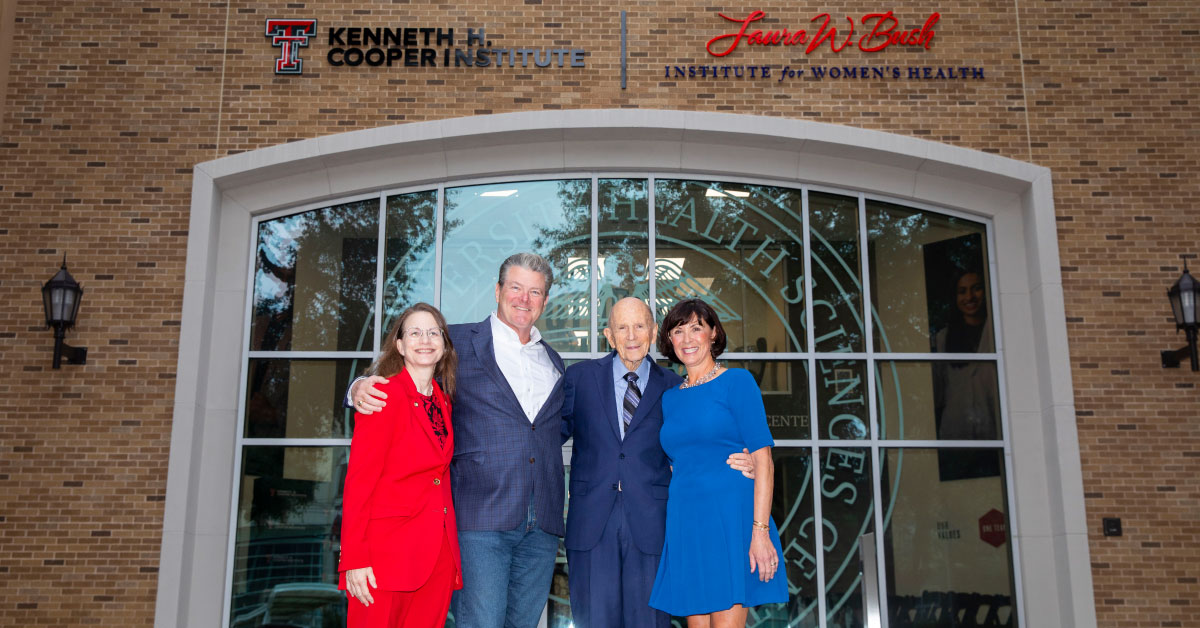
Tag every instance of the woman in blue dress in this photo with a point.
(722, 549)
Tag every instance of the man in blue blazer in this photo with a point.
(507, 471)
(619, 475)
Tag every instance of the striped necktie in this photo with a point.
(630, 403)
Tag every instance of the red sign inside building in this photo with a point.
(992, 529)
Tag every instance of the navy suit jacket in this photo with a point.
(500, 459)
(600, 459)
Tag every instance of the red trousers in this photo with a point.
(425, 607)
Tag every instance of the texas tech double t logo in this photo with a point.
(290, 36)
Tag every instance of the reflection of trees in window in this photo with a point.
(408, 266)
(287, 538)
(622, 247)
(893, 230)
(748, 246)
(266, 405)
(501, 219)
(685, 213)
(622, 242)
(739, 235)
(575, 198)
(327, 256)
(567, 246)
(837, 284)
(290, 398)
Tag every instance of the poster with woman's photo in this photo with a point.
(966, 393)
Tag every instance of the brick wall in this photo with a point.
(109, 104)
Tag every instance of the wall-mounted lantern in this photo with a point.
(1185, 305)
(60, 298)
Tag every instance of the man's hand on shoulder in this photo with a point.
(367, 398)
(741, 461)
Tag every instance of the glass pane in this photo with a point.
(846, 507)
(487, 223)
(558, 606)
(623, 246)
(793, 511)
(842, 411)
(837, 270)
(946, 543)
(928, 281)
(938, 400)
(409, 258)
(784, 386)
(314, 280)
(741, 249)
(285, 556)
(299, 398)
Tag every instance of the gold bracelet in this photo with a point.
(757, 525)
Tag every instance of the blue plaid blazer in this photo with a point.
(500, 459)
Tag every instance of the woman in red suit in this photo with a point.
(399, 559)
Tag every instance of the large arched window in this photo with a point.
(900, 411)
(886, 410)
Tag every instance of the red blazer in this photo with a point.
(397, 501)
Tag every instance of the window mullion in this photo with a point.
(594, 268)
(440, 218)
(380, 262)
(814, 450)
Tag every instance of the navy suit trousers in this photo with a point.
(610, 583)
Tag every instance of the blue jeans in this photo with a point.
(506, 576)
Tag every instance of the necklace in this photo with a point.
(707, 377)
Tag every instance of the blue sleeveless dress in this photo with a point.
(705, 564)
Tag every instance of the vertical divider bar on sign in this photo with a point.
(624, 61)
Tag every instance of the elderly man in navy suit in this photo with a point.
(619, 475)
(507, 471)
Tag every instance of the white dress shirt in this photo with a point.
(527, 367)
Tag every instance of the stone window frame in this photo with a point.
(1015, 197)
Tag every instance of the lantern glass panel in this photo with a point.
(1176, 306)
(47, 305)
(68, 304)
(57, 309)
(76, 298)
(1188, 302)
(56, 298)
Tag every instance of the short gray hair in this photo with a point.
(531, 262)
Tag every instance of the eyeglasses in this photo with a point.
(434, 333)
